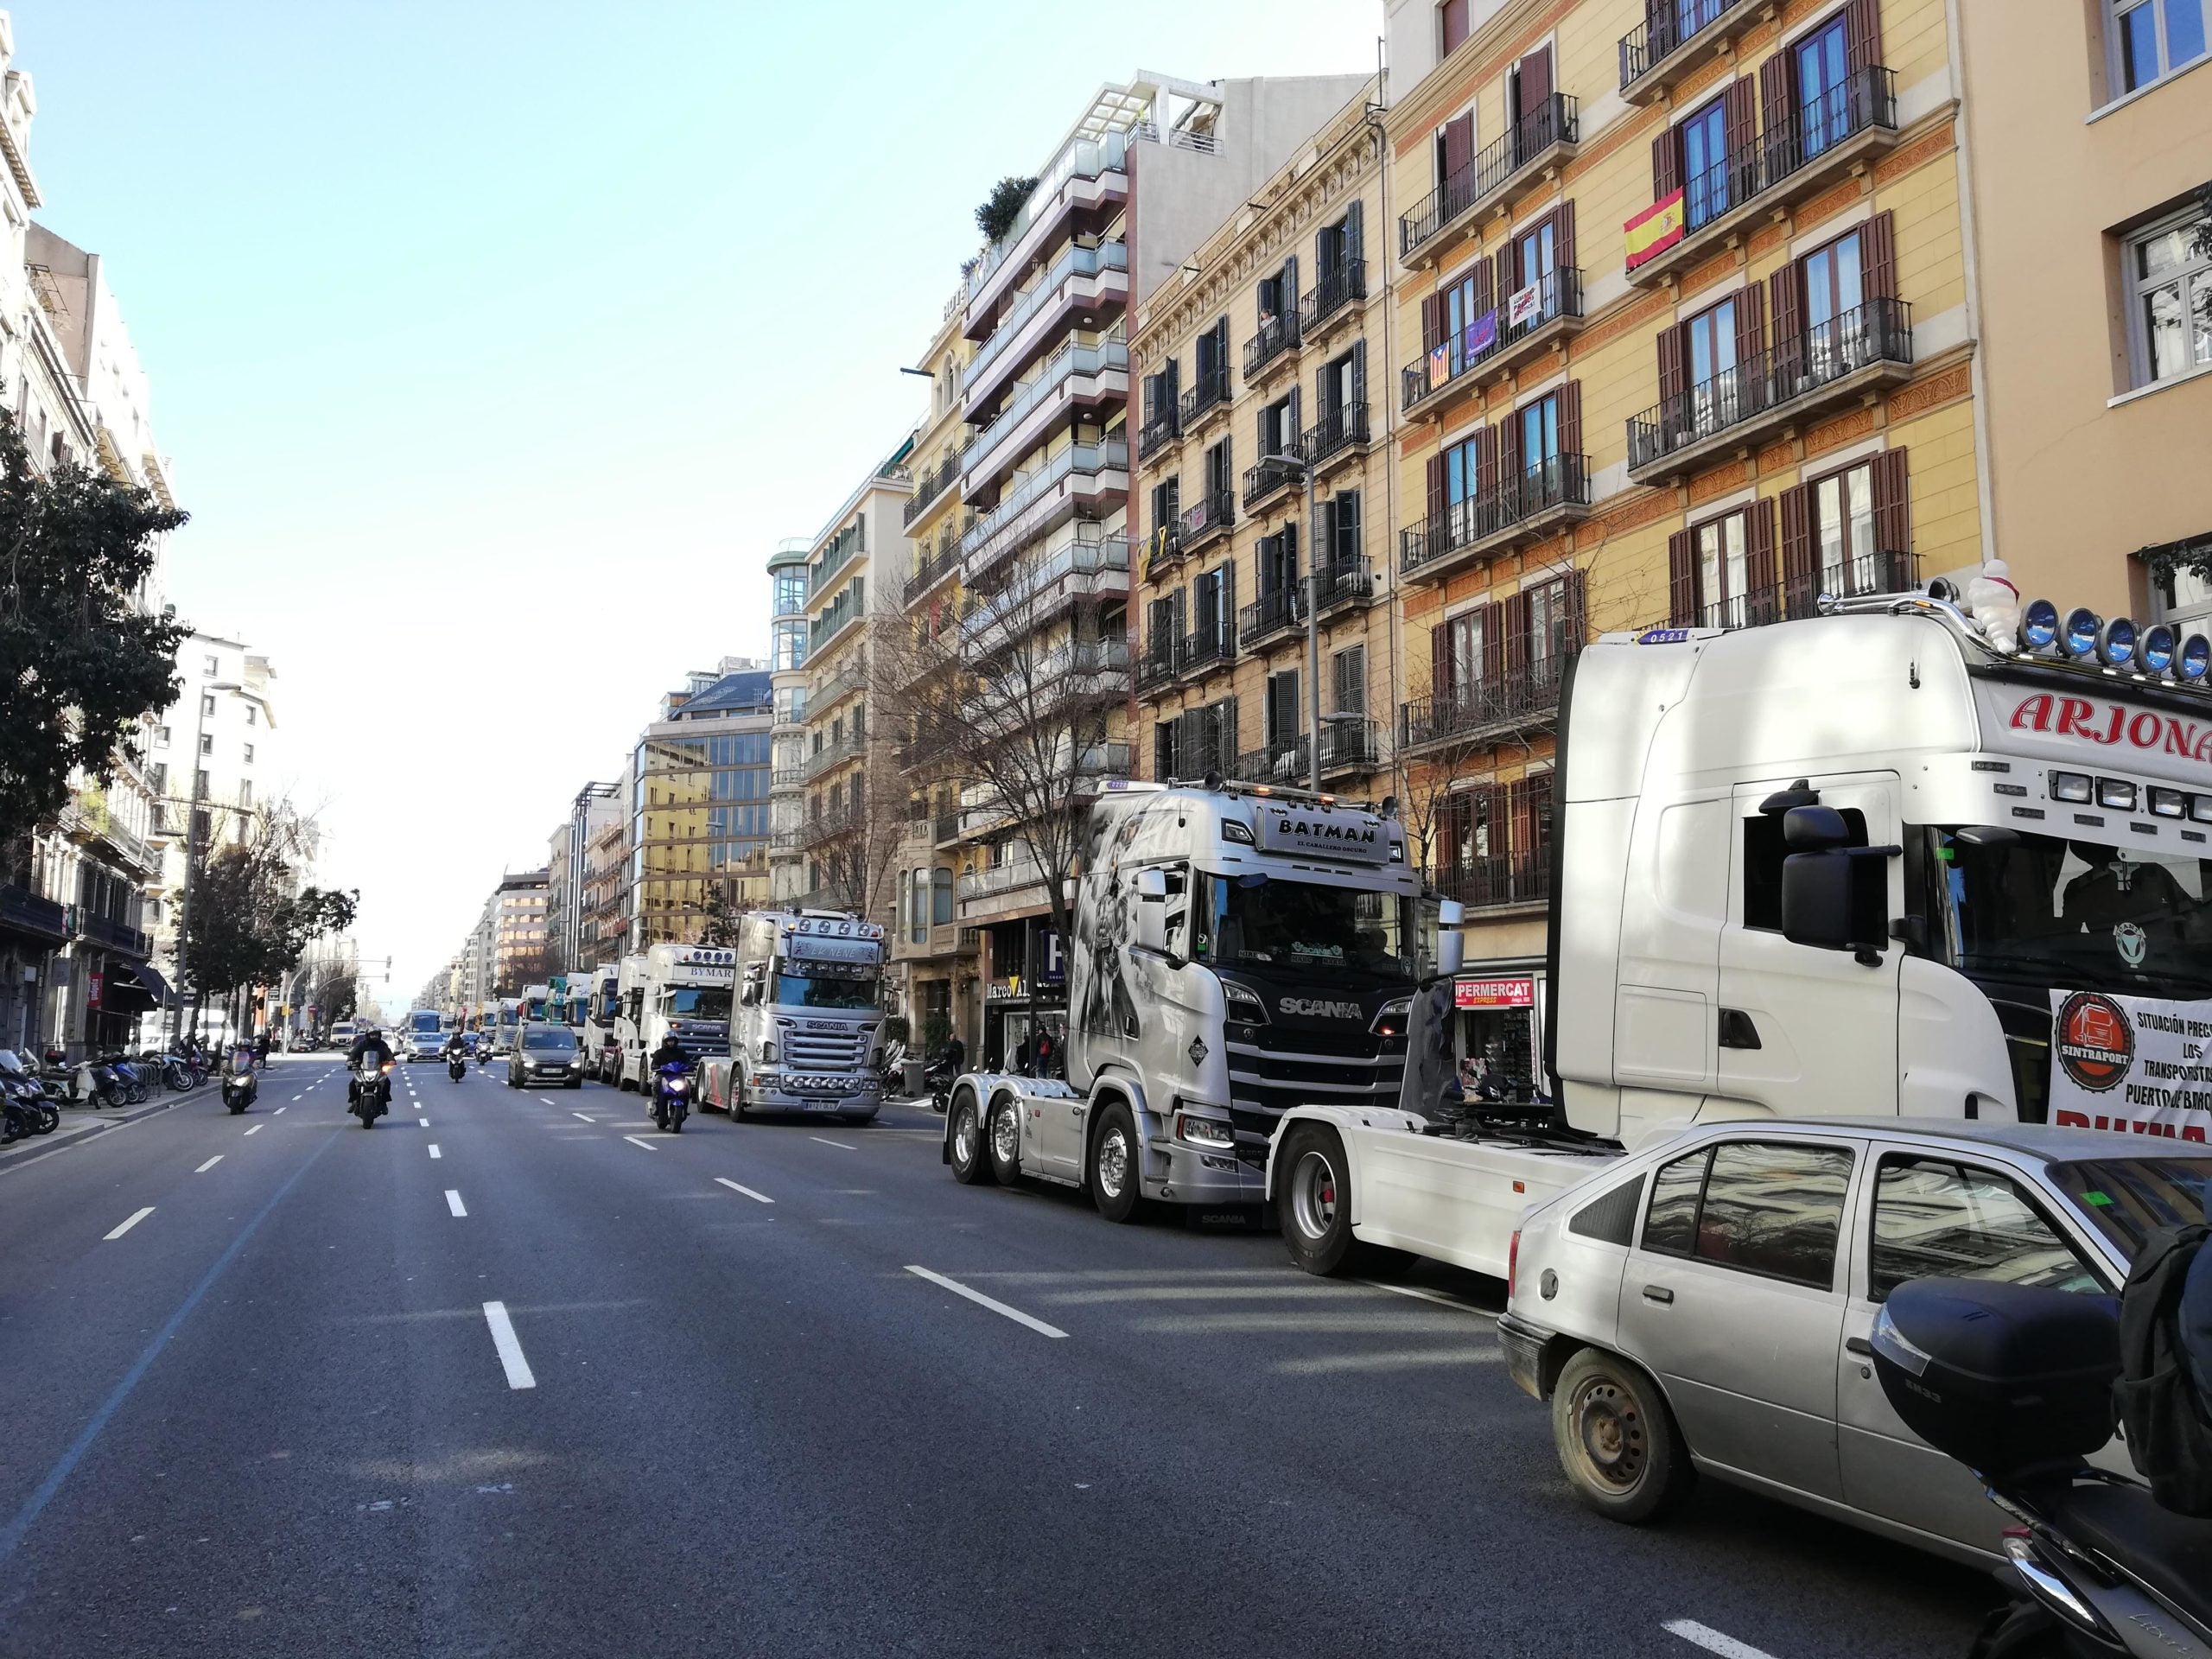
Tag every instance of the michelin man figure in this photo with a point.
(1994, 603)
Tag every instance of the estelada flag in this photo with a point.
(1657, 228)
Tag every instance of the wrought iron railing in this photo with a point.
(1208, 647)
(1558, 482)
(1269, 613)
(1206, 515)
(1347, 282)
(1489, 883)
(1340, 428)
(1518, 696)
(1268, 474)
(1559, 294)
(1794, 598)
(1667, 26)
(1208, 390)
(929, 486)
(1556, 121)
(1277, 334)
(1347, 580)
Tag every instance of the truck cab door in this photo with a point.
(1803, 1031)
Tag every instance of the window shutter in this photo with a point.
(1786, 289)
(1432, 322)
(1503, 274)
(1570, 419)
(1540, 811)
(1151, 399)
(1520, 838)
(1578, 610)
(1563, 233)
(1666, 164)
(1436, 486)
(1324, 535)
(1297, 419)
(1163, 751)
(1879, 246)
(1290, 297)
(1359, 373)
(1452, 16)
(1862, 32)
(1485, 291)
(1348, 544)
(1493, 621)
(1486, 464)
(1441, 677)
(1681, 579)
(1354, 236)
(1777, 107)
(1228, 624)
(1670, 364)
(1289, 545)
(1893, 509)
(1516, 631)
(1534, 75)
(1510, 457)
(1739, 116)
(1759, 557)
(1459, 146)
(1798, 582)
(1750, 327)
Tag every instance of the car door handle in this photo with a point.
(1658, 1294)
(1858, 1345)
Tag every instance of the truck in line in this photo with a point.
(1238, 950)
(1867, 864)
(601, 997)
(805, 1034)
(678, 989)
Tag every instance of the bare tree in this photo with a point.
(1014, 698)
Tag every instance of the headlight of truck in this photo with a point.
(767, 1053)
(1242, 1004)
(1203, 1131)
(1391, 1019)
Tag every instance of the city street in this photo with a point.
(514, 1373)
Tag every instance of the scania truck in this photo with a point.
(1238, 950)
(806, 1034)
(602, 996)
(1864, 863)
(679, 990)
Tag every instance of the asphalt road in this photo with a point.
(532, 1378)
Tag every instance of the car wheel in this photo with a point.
(971, 1164)
(1616, 1440)
(1313, 1200)
(1005, 1142)
(1114, 1186)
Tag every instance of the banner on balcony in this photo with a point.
(1655, 230)
(1519, 993)
(1523, 306)
(1439, 363)
(1482, 334)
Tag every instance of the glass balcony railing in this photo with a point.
(1076, 262)
(1071, 360)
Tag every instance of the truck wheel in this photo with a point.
(1313, 1200)
(1616, 1440)
(1006, 1143)
(1116, 1187)
(971, 1166)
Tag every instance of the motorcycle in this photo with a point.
(369, 1097)
(938, 1077)
(26, 1106)
(672, 1095)
(2015, 1382)
(457, 1065)
(241, 1083)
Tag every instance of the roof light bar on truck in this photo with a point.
(2116, 643)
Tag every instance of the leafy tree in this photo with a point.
(249, 920)
(1001, 208)
(81, 660)
(723, 912)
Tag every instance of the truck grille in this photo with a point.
(1306, 1069)
(831, 1048)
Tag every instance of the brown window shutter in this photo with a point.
(1892, 510)
(1666, 164)
(1879, 248)
(1681, 579)
(1436, 484)
(1486, 463)
(1563, 233)
(1786, 289)
(1516, 631)
(1799, 581)
(1751, 325)
(1439, 662)
(1454, 17)
(1535, 79)
(1862, 34)
(1493, 643)
(1739, 116)
(1458, 144)
(1432, 322)
(1521, 839)
(1570, 419)
(1540, 812)
(1670, 363)
(1485, 276)
(1578, 610)
(1758, 548)
(1777, 103)
(1509, 451)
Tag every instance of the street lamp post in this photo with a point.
(208, 689)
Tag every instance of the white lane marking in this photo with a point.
(209, 1164)
(1713, 1640)
(543, 1102)
(424, 1121)
(434, 1153)
(279, 1112)
(587, 1120)
(299, 1097)
(454, 1202)
(256, 1128)
(639, 1140)
(135, 1219)
(758, 1197)
(503, 1338)
(977, 1297)
(839, 1144)
(1438, 1297)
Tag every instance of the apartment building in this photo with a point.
(787, 644)
(571, 947)
(1263, 481)
(1760, 388)
(1148, 169)
(934, 954)
(698, 805)
(515, 933)
(603, 934)
(2086, 128)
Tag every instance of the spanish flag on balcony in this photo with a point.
(1657, 228)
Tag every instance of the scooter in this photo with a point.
(241, 1083)
(672, 1095)
(938, 1077)
(370, 1096)
(457, 1065)
(2015, 1382)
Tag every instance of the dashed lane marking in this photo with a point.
(135, 1218)
(1713, 1640)
(279, 1112)
(434, 1153)
(256, 1128)
(424, 1121)
(454, 1202)
(587, 1120)
(758, 1197)
(843, 1146)
(639, 1140)
(510, 1347)
(209, 1164)
(981, 1300)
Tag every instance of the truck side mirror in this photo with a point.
(1837, 899)
(1152, 886)
(1451, 952)
(1150, 922)
(1813, 830)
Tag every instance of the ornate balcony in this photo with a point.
(1515, 161)
(1555, 313)
(1517, 700)
(1537, 502)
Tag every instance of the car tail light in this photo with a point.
(1512, 1262)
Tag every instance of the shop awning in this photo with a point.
(150, 977)
(123, 993)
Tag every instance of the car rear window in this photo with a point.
(2127, 1199)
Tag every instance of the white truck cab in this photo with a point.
(600, 997)
(678, 989)
(804, 1036)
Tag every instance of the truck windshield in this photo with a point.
(2075, 914)
(1269, 923)
(699, 1003)
(820, 991)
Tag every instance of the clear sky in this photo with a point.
(497, 343)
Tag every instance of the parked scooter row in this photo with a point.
(25, 1106)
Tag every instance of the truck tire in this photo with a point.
(1005, 1147)
(1313, 1200)
(971, 1164)
(1114, 1168)
(1617, 1440)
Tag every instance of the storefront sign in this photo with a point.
(1494, 992)
(2133, 1063)
(95, 985)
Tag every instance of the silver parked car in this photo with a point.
(1705, 1306)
